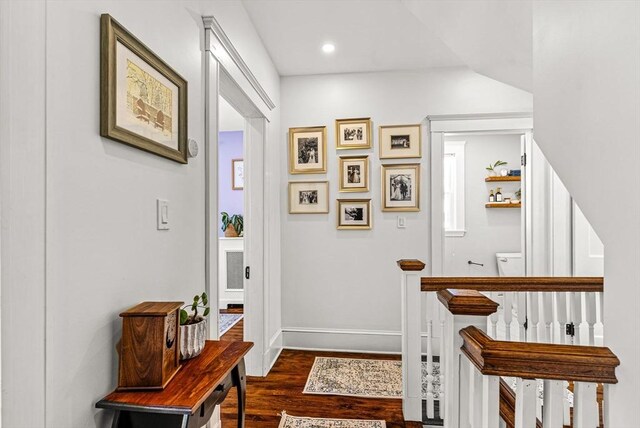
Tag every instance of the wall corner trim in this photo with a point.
(211, 24)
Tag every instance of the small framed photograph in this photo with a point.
(237, 174)
(354, 213)
(354, 173)
(143, 101)
(401, 187)
(308, 150)
(308, 197)
(400, 142)
(353, 133)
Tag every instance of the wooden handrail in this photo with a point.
(538, 360)
(519, 283)
(411, 265)
(467, 302)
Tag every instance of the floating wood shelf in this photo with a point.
(500, 178)
(502, 205)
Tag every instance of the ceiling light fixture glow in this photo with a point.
(328, 48)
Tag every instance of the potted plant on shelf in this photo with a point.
(232, 226)
(492, 168)
(193, 327)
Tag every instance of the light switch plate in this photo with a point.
(402, 222)
(163, 214)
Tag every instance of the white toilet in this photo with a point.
(510, 264)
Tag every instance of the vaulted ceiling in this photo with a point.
(492, 37)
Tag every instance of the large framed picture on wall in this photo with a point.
(143, 101)
(308, 150)
(401, 187)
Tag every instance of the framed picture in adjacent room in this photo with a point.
(353, 133)
(143, 101)
(237, 174)
(401, 187)
(354, 213)
(308, 150)
(354, 173)
(308, 197)
(400, 142)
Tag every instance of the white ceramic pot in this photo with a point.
(192, 339)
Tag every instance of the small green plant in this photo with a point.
(495, 165)
(201, 301)
(518, 194)
(236, 220)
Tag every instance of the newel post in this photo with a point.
(411, 341)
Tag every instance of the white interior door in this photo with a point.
(588, 250)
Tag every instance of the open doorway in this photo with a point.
(231, 202)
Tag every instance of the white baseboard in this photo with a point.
(339, 340)
(273, 352)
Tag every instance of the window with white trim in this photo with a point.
(453, 185)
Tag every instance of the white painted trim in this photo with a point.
(274, 350)
(455, 233)
(481, 122)
(210, 23)
(457, 148)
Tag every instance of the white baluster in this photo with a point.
(411, 346)
(553, 404)
(507, 314)
(521, 312)
(590, 316)
(430, 411)
(562, 318)
(442, 360)
(475, 396)
(492, 320)
(532, 316)
(576, 316)
(547, 313)
(526, 396)
(490, 401)
(585, 414)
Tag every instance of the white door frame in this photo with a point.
(437, 127)
(227, 75)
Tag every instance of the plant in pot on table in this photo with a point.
(193, 327)
(232, 226)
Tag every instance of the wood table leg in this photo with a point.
(239, 377)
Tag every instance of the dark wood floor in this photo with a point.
(282, 390)
(235, 333)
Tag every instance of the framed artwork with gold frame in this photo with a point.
(353, 133)
(308, 197)
(401, 187)
(353, 213)
(354, 173)
(308, 150)
(400, 142)
(143, 101)
(237, 174)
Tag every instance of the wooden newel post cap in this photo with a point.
(467, 302)
(409, 265)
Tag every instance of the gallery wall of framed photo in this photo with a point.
(400, 182)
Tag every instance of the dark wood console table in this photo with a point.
(189, 399)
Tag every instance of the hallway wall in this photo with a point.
(341, 288)
(587, 123)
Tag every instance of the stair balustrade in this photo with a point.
(561, 316)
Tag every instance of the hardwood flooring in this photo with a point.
(282, 390)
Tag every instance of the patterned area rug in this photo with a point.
(289, 421)
(226, 321)
(363, 378)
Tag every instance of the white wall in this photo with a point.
(587, 122)
(337, 280)
(489, 231)
(103, 252)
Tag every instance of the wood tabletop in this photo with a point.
(194, 382)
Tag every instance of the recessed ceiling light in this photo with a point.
(328, 48)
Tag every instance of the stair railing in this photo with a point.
(553, 310)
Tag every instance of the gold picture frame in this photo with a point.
(143, 101)
(237, 174)
(353, 214)
(400, 142)
(308, 197)
(308, 150)
(400, 187)
(354, 173)
(353, 134)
